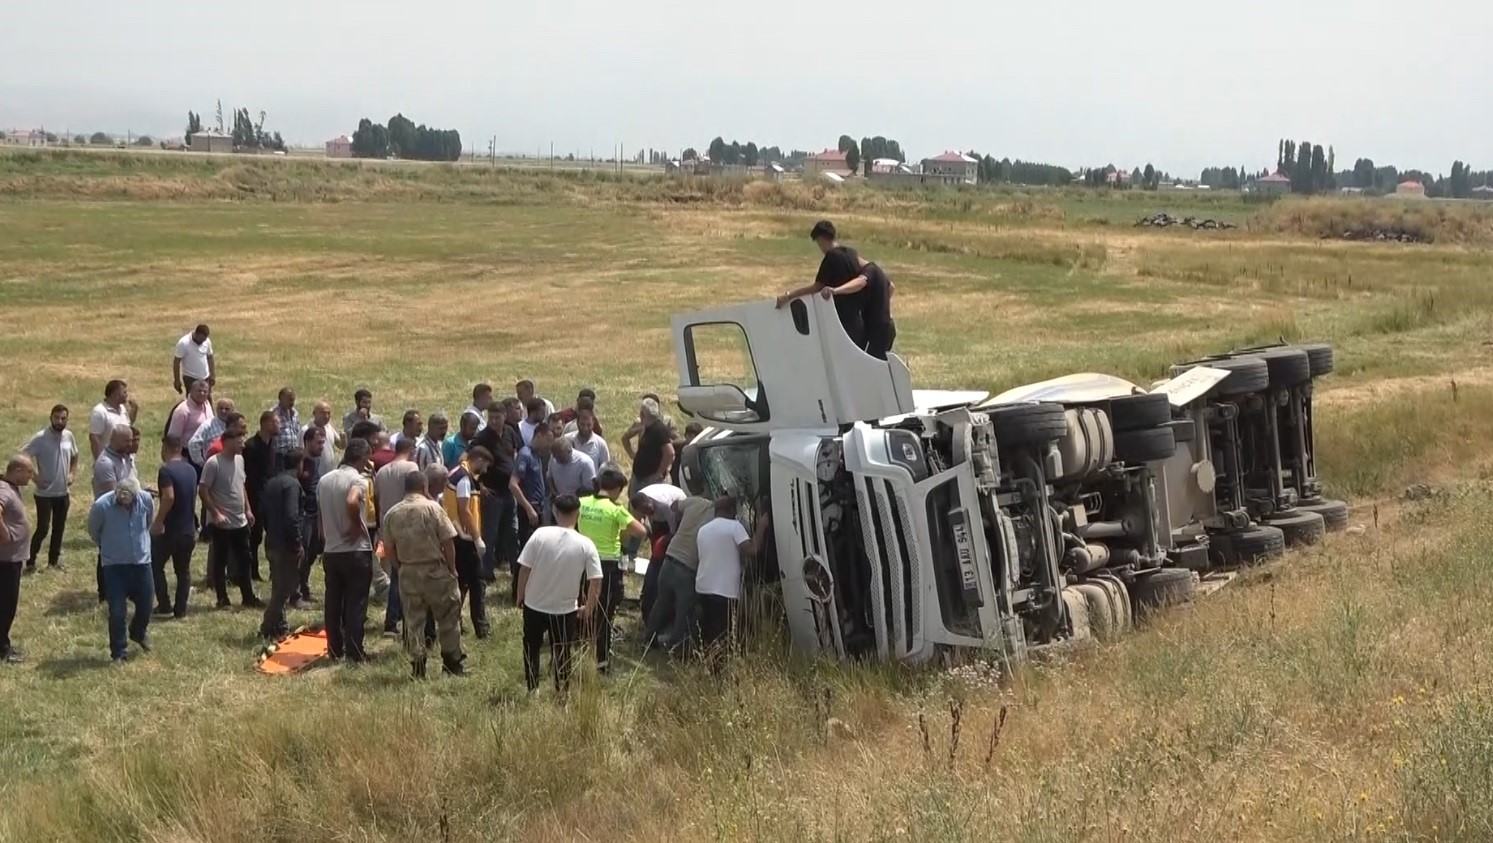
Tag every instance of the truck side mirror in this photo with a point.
(817, 579)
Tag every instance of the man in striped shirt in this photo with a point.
(429, 449)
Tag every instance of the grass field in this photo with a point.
(1341, 694)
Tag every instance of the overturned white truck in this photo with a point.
(907, 524)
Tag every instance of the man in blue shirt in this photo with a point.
(527, 483)
(119, 523)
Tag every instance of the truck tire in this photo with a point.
(1020, 425)
(1247, 373)
(1139, 412)
(1079, 626)
(1247, 547)
(1142, 446)
(1119, 601)
(1334, 513)
(1102, 623)
(1157, 589)
(1288, 366)
(1300, 528)
(1319, 356)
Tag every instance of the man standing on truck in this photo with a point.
(839, 266)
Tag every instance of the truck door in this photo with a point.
(753, 367)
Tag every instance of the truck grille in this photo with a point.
(895, 581)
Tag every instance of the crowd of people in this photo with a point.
(423, 517)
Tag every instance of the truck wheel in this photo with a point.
(1019, 425)
(1300, 528)
(1119, 601)
(1080, 627)
(1154, 590)
(1248, 547)
(1143, 446)
(1139, 412)
(1319, 356)
(1287, 366)
(1334, 513)
(1102, 621)
(1247, 374)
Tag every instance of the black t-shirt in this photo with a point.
(840, 265)
(182, 478)
(504, 442)
(876, 304)
(651, 443)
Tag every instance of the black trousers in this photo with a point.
(650, 579)
(231, 561)
(10, 597)
(561, 632)
(606, 609)
(51, 518)
(879, 339)
(285, 571)
(178, 550)
(256, 540)
(345, 607)
(469, 580)
(715, 625)
(312, 551)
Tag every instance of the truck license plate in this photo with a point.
(964, 545)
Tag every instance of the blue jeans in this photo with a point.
(135, 584)
(674, 607)
(499, 533)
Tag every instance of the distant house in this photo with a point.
(29, 137)
(1274, 184)
(1484, 193)
(828, 161)
(885, 165)
(210, 142)
(952, 168)
(1411, 189)
(340, 147)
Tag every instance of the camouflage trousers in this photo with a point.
(430, 590)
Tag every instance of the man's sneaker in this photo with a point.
(163, 610)
(252, 603)
(484, 632)
(119, 661)
(604, 668)
(12, 656)
(29, 569)
(143, 643)
(224, 604)
(418, 669)
(391, 633)
(58, 567)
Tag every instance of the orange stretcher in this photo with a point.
(294, 653)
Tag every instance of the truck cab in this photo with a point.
(893, 529)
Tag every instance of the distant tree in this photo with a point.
(404, 138)
(370, 140)
(194, 125)
(1319, 169)
(1459, 186)
(1148, 177)
(99, 139)
(689, 154)
(717, 149)
(1329, 182)
(50, 136)
(1135, 177)
(144, 140)
(1301, 174)
(277, 142)
(852, 152)
(79, 140)
(220, 116)
(750, 155)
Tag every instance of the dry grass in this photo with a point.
(1338, 695)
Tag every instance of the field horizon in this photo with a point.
(1341, 693)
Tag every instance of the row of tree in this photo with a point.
(1307, 165)
(248, 134)
(401, 138)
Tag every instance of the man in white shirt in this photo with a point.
(481, 400)
(552, 563)
(194, 360)
(586, 440)
(524, 390)
(113, 410)
(321, 417)
(56, 456)
(721, 544)
(656, 502)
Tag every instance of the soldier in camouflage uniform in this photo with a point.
(419, 539)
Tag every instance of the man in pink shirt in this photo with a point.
(194, 411)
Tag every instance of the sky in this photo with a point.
(1182, 84)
